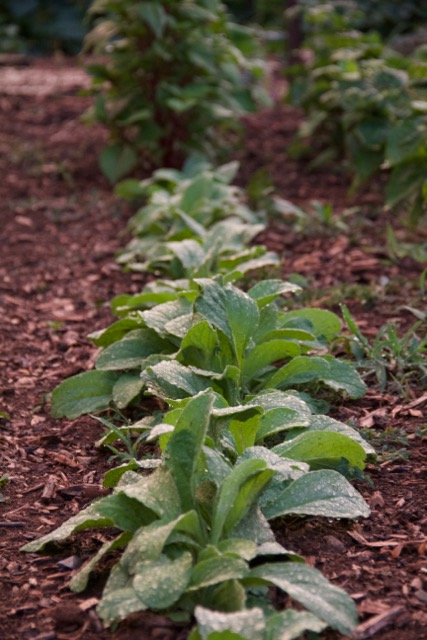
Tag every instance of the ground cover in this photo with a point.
(48, 157)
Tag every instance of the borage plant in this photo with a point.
(195, 534)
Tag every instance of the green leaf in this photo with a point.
(185, 445)
(326, 423)
(406, 139)
(119, 598)
(87, 519)
(154, 15)
(126, 389)
(87, 392)
(127, 514)
(267, 353)
(248, 624)
(131, 351)
(195, 193)
(336, 374)
(200, 346)
(291, 624)
(80, 580)
(230, 310)
(266, 291)
(406, 181)
(237, 494)
(324, 323)
(157, 492)
(216, 570)
(189, 253)
(115, 331)
(117, 160)
(160, 583)
(319, 493)
(162, 317)
(170, 379)
(308, 586)
(322, 448)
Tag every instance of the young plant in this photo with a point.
(365, 103)
(181, 206)
(171, 80)
(194, 533)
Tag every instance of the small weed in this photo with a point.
(390, 444)
(396, 361)
(320, 218)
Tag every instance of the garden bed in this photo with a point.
(60, 227)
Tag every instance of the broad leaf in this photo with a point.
(266, 291)
(336, 374)
(185, 445)
(87, 519)
(216, 570)
(87, 392)
(230, 310)
(169, 379)
(126, 389)
(237, 494)
(160, 583)
(322, 448)
(117, 160)
(249, 624)
(324, 323)
(318, 493)
(309, 587)
(131, 351)
(157, 492)
(291, 624)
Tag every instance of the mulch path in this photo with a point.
(60, 226)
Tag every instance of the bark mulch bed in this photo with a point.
(60, 226)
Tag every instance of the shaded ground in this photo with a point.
(60, 227)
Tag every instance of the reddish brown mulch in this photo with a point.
(60, 226)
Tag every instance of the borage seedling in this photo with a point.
(195, 531)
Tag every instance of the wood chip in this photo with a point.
(49, 489)
(377, 623)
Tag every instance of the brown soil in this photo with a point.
(60, 227)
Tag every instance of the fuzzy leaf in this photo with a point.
(169, 379)
(248, 624)
(233, 500)
(87, 519)
(215, 570)
(185, 445)
(266, 291)
(334, 373)
(131, 351)
(309, 587)
(126, 389)
(87, 392)
(157, 492)
(322, 448)
(318, 493)
(230, 310)
(160, 583)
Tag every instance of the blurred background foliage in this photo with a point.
(42, 26)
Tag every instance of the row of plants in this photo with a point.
(365, 102)
(241, 437)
